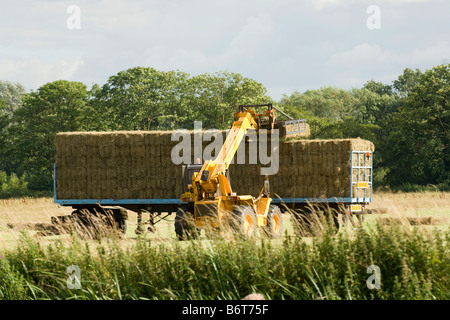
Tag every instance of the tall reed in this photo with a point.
(413, 265)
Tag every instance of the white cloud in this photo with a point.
(118, 16)
(281, 43)
(34, 73)
(364, 55)
(321, 4)
(250, 41)
(254, 33)
(354, 67)
(253, 37)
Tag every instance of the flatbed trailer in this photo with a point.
(360, 195)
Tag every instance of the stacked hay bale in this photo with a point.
(307, 169)
(115, 165)
(138, 165)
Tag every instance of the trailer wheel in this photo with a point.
(274, 226)
(123, 226)
(86, 225)
(185, 228)
(120, 220)
(244, 221)
(307, 224)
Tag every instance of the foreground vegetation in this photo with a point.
(413, 260)
(413, 265)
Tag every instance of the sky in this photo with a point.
(287, 45)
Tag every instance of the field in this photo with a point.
(406, 235)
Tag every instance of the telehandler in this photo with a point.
(209, 202)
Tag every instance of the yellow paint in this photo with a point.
(362, 185)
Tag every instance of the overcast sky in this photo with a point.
(287, 45)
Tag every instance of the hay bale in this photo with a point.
(412, 220)
(138, 164)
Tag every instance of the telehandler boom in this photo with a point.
(209, 200)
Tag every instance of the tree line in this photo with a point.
(408, 119)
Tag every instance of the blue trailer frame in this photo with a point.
(362, 196)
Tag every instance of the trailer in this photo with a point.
(360, 191)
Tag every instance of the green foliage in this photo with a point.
(418, 133)
(5, 119)
(140, 99)
(13, 186)
(414, 265)
(213, 98)
(406, 82)
(327, 102)
(410, 187)
(316, 124)
(372, 107)
(54, 107)
(147, 99)
(349, 128)
(11, 94)
(378, 87)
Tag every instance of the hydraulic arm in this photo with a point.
(210, 199)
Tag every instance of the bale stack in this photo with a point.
(138, 165)
(115, 165)
(307, 169)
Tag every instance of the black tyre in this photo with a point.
(307, 224)
(274, 225)
(119, 219)
(185, 228)
(123, 226)
(87, 225)
(244, 221)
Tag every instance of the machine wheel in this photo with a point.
(185, 228)
(244, 221)
(123, 226)
(87, 225)
(274, 226)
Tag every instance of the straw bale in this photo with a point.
(126, 164)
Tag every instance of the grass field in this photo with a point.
(406, 236)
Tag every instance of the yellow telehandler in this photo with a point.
(208, 200)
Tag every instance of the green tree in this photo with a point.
(12, 186)
(213, 98)
(4, 123)
(349, 128)
(141, 99)
(372, 106)
(378, 87)
(406, 82)
(327, 102)
(54, 107)
(11, 94)
(417, 147)
(316, 124)
(147, 99)
(10, 100)
(324, 109)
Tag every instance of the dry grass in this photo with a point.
(416, 203)
(413, 221)
(411, 209)
(421, 209)
(25, 214)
